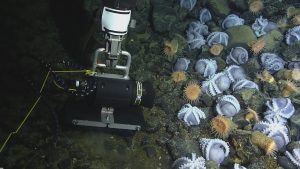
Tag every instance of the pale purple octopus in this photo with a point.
(272, 62)
(204, 15)
(237, 55)
(189, 163)
(294, 156)
(238, 166)
(235, 73)
(181, 64)
(195, 40)
(217, 38)
(293, 35)
(279, 109)
(214, 149)
(199, 27)
(206, 67)
(228, 106)
(244, 83)
(274, 129)
(262, 26)
(216, 84)
(191, 115)
(188, 4)
(293, 65)
(232, 20)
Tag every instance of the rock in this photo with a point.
(252, 98)
(252, 67)
(219, 7)
(284, 162)
(256, 164)
(163, 18)
(240, 36)
(271, 88)
(293, 145)
(211, 165)
(291, 52)
(221, 63)
(295, 126)
(207, 100)
(152, 126)
(240, 4)
(172, 128)
(244, 149)
(150, 151)
(273, 40)
(65, 164)
(180, 146)
(264, 162)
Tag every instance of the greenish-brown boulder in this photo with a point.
(219, 7)
(240, 36)
(273, 40)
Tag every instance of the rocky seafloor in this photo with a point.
(62, 34)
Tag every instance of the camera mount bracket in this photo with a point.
(107, 120)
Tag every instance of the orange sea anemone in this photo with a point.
(251, 115)
(257, 46)
(178, 76)
(256, 6)
(192, 92)
(296, 20)
(293, 74)
(264, 142)
(292, 11)
(265, 76)
(216, 49)
(170, 48)
(221, 126)
(288, 88)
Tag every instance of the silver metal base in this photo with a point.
(107, 120)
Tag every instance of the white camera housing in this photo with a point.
(115, 22)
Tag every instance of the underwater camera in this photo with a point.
(112, 100)
(112, 104)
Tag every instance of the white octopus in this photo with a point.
(187, 163)
(259, 25)
(274, 129)
(216, 84)
(228, 106)
(191, 115)
(214, 149)
(235, 73)
(279, 109)
(293, 35)
(294, 156)
(217, 38)
(206, 67)
(238, 166)
(244, 83)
